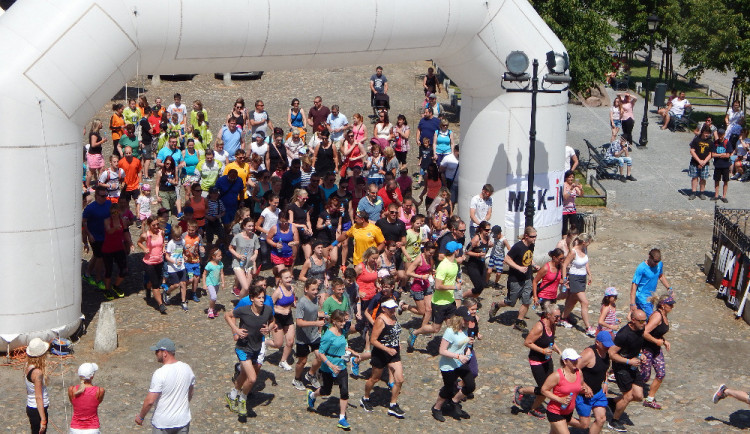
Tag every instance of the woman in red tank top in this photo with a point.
(562, 389)
(547, 279)
(85, 399)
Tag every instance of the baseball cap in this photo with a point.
(260, 134)
(432, 95)
(570, 354)
(605, 338)
(452, 246)
(87, 370)
(165, 344)
(390, 304)
(610, 291)
(721, 131)
(463, 312)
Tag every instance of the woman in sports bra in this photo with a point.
(151, 242)
(576, 279)
(284, 301)
(282, 238)
(548, 278)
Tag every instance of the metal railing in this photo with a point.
(733, 224)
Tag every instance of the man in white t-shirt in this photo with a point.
(570, 156)
(449, 171)
(171, 391)
(480, 208)
(675, 109)
(179, 109)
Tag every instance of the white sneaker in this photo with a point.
(299, 385)
(565, 324)
(284, 365)
(313, 380)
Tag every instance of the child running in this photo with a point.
(174, 256)
(193, 251)
(497, 255)
(143, 204)
(608, 314)
(213, 279)
(308, 324)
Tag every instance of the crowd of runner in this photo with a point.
(331, 204)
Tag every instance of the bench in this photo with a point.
(597, 162)
(681, 124)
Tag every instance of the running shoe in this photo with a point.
(517, 396)
(164, 293)
(355, 368)
(232, 403)
(719, 395)
(196, 298)
(211, 313)
(90, 280)
(184, 306)
(236, 291)
(651, 403)
(310, 400)
(459, 411)
(242, 407)
(179, 215)
(395, 410)
(365, 403)
(163, 309)
(100, 285)
(735, 177)
(118, 291)
(520, 325)
(343, 424)
(537, 413)
(312, 379)
(285, 366)
(616, 425)
(591, 332)
(409, 343)
(611, 378)
(400, 309)
(108, 295)
(438, 415)
(494, 307)
(298, 384)
(564, 323)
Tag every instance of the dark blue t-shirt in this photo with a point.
(427, 127)
(95, 214)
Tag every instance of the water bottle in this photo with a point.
(633, 367)
(328, 223)
(201, 250)
(347, 356)
(548, 356)
(355, 367)
(564, 406)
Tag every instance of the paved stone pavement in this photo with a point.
(708, 344)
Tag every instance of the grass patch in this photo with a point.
(587, 190)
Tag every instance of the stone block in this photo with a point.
(105, 339)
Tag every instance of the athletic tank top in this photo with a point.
(114, 241)
(31, 391)
(317, 271)
(544, 341)
(610, 318)
(155, 249)
(406, 217)
(565, 388)
(191, 160)
(366, 281)
(578, 265)
(658, 332)
(595, 376)
(548, 286)
(383, 267)
(390, 335)
(85, 408)
(431, 83)
(482, 247)
(419, 285)
(324, 161)
(356, 152)
(297, 119)
(261, 192)
(285, 300)
(284, 238)
(240, 118)
(199, 210)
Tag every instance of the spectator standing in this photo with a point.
(378, 85)
(337, 125)
(427, 126)
(371, 204)
(615, 116)
(698, 170)
(232, 137)
(480, 208)
(93, 234)
(710, 123)
(170, 392)
(626, 117)
(721, 152)
(571, 190)
(85, 399)
(35, 374)
(735, 121)
(449, 171)
(317, 115)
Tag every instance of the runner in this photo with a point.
(256, 320)
(562, 388)
(648, 274)
(576, 273)
(213, 279)
(455, 352)
(541, 343)
(547, 279)
(520, 260)
(422, 271)
(284, 300)
(307, 339)
(653, 341)
(244, 249)
(594, 364)
(151, 243)
(626, 358)
(386, 352)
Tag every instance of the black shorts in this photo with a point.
(342, 379)
(401, 156)
(96, 248)
(283, 320)
(303, 350)
(380, 359)
(442, 312)
(173, 278)
(721, 174)
(154, 274)
(120, 258)
(540, 373)
(626, 377)
(213, 228)
(554, 417)
(128, 195)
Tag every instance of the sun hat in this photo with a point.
(610, 291)
(570, 354)
(87, 370)
(390, 304)
(37, 348)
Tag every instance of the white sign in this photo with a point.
(548, 198)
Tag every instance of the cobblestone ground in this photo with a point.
(708, 344)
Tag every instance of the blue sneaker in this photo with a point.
(196, 298)
(390, 386)
(343, 424)
(355, 368)
(164, 295)
(310, 400)
(179, 215)
(412, 339)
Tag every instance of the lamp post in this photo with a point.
(653, 24)
(517, 63)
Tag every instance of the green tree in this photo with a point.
(585, 32)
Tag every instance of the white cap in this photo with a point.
(390, 304)
(570, 354)
(87, 370)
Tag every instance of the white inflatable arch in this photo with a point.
(63, 60)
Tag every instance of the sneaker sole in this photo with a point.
(616, 429)
(362, 404)
(717, 396)
(397, 415)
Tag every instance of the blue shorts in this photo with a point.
(645, 306)
(496, 263)
(193, 269)
(584, 405)
(617, 122)
(257, 357)
(696, 172)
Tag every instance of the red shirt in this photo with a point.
(388, 198)
(154, 121)
(132, 173)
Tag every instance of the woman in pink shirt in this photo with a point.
(85, 399)
(626, 117)
(152, 244)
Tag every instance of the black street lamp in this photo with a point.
(653, 24)
(517, 63)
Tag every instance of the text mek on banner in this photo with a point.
(548, 197)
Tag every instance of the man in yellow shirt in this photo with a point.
(365, 235)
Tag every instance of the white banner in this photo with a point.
(548, 196)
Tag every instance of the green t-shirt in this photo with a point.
(213, 277)
(131, 116)
(447, 271)
(126, 141)
(331, 304)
